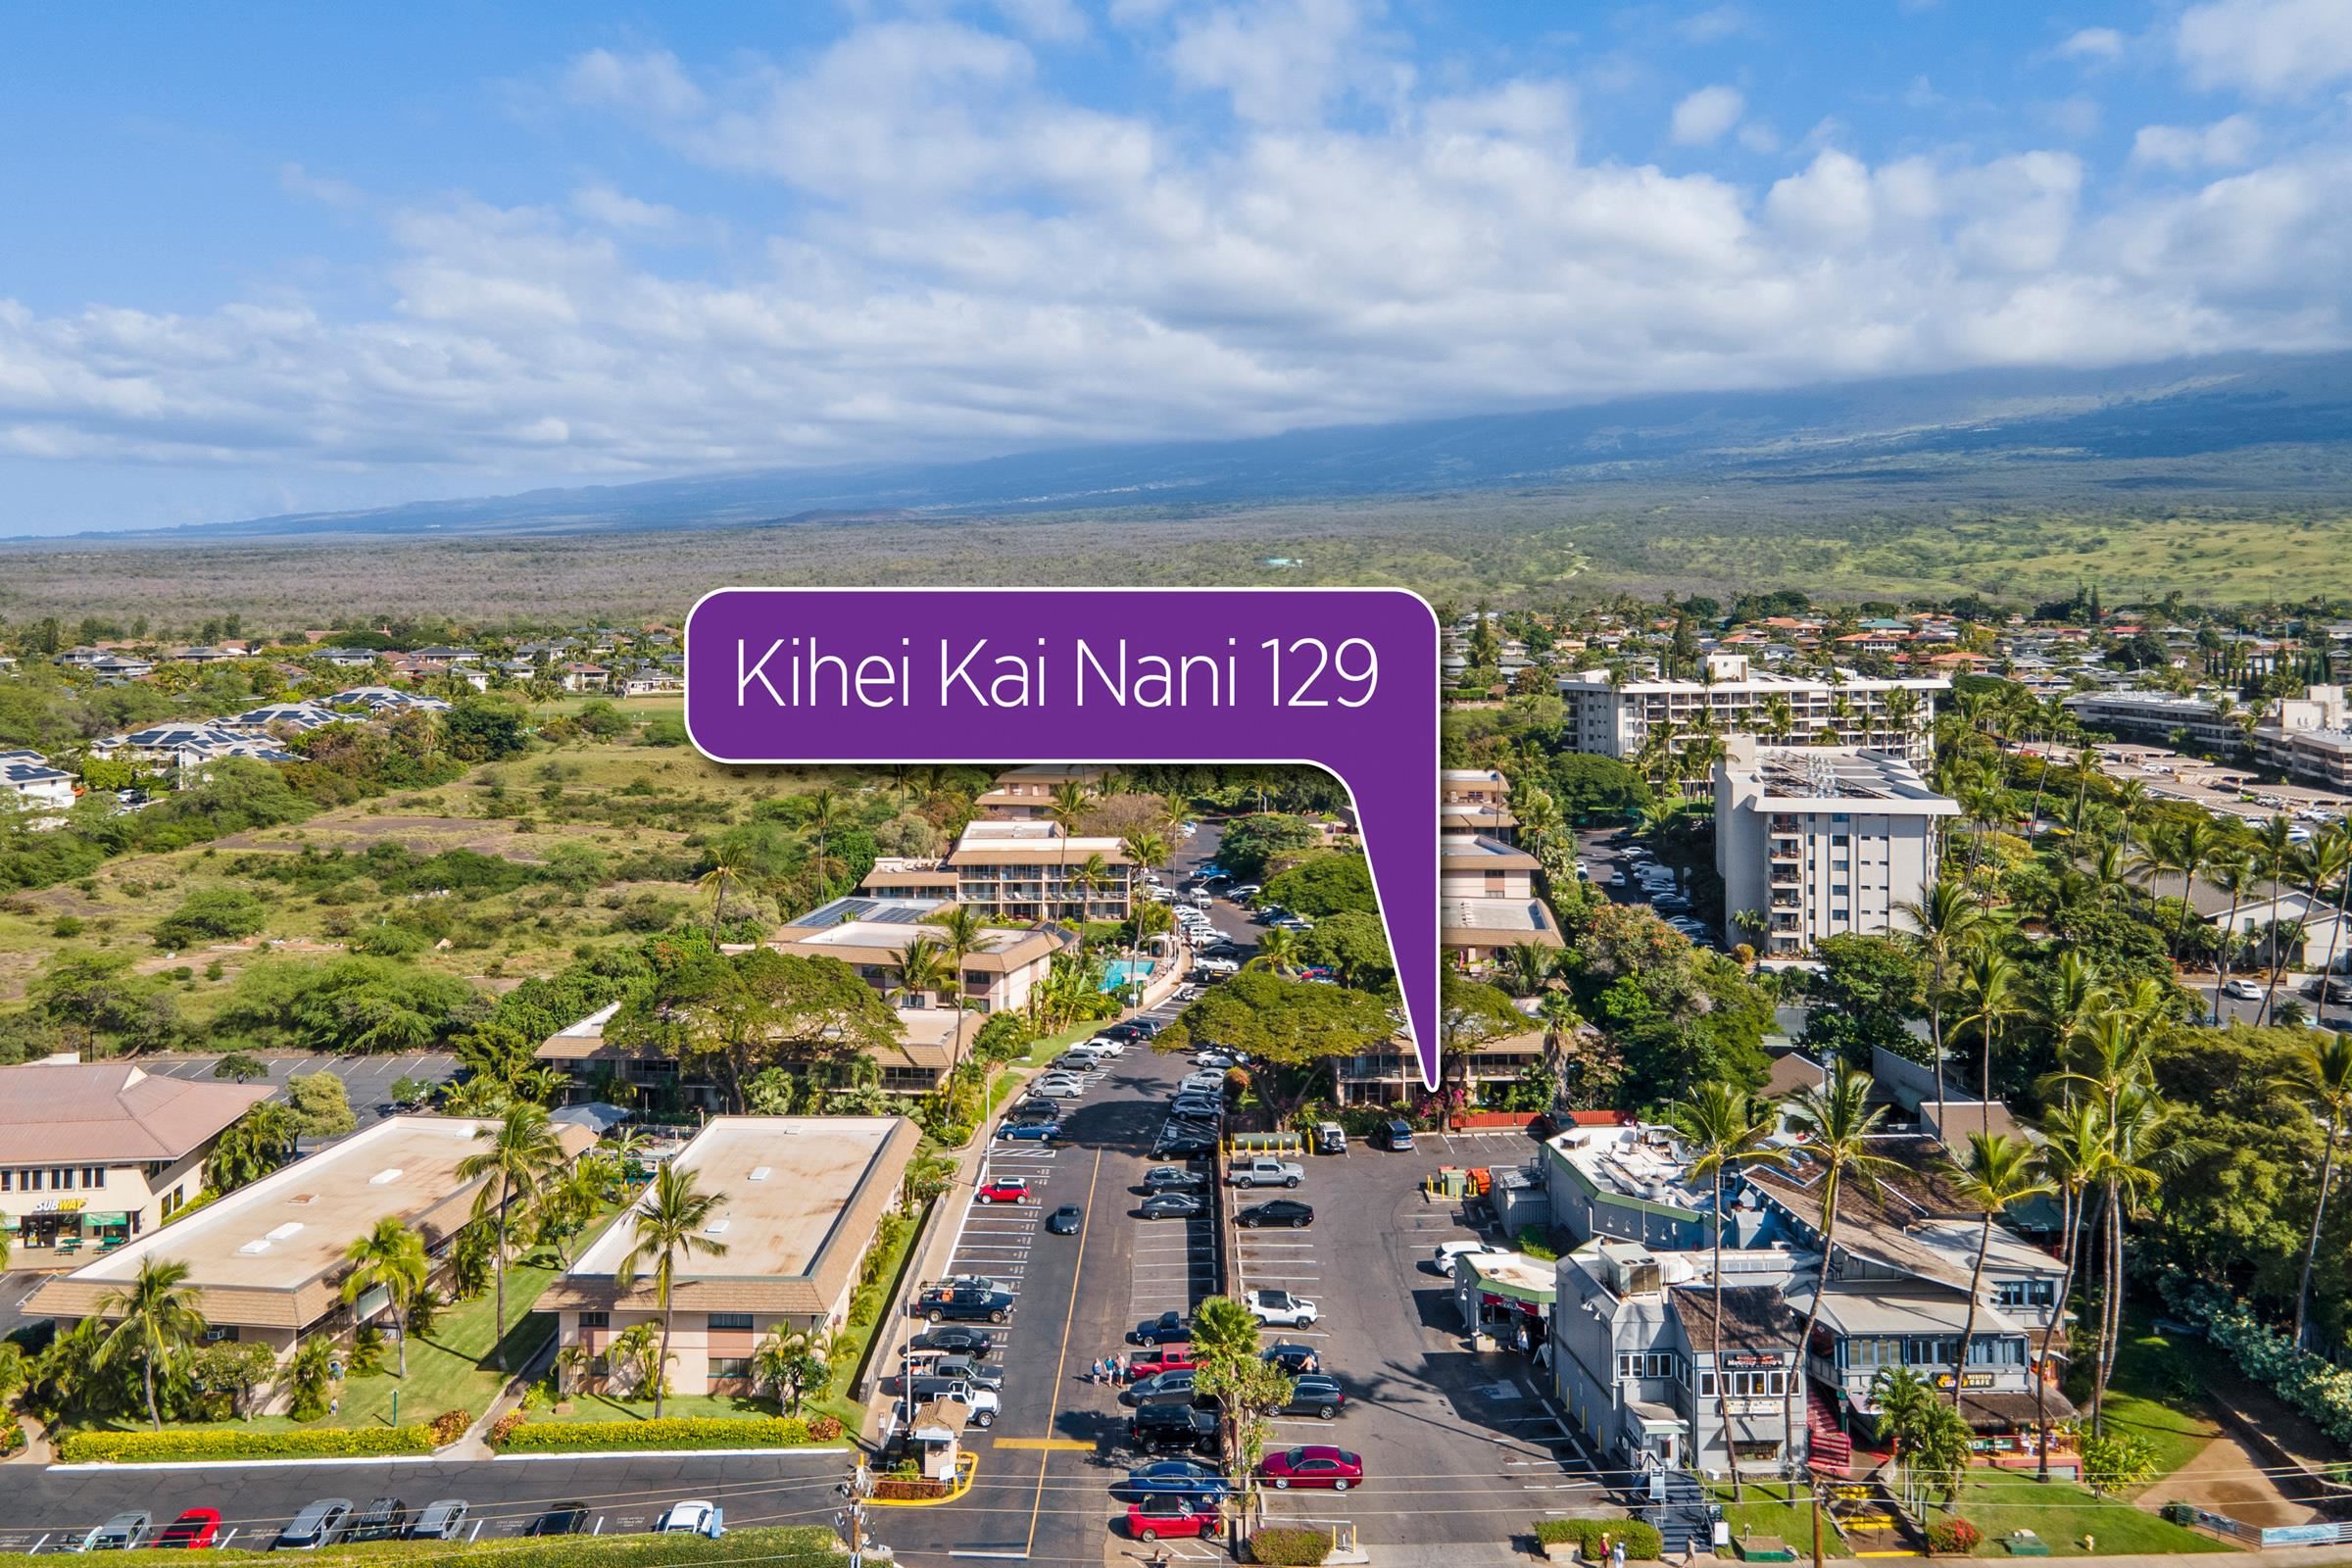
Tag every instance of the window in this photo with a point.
(93, 1175)
(60, 1177)
(596, 1320)
(730, 1321)
(220, 1333)
(8, 1181)
(2025, 1293)
(730, 1367)
(32, 1181)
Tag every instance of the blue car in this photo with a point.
(1036, 1131)
(1178, 1478)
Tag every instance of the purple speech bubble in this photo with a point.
(1343, 679)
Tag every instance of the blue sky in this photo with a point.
(279, 257)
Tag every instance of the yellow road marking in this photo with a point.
(1061, 1361)
(1051, 1444)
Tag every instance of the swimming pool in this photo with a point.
(1121, 973)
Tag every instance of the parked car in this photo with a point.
(954, 1339)
(1164, 1358)
(2243, 989)
(1397, 1136)
(1173, 1179)
(1315, 1394)
(1058, 1086)
(1314, 1465)
(1149, 1518)
(563, 1519)
(122, 1533)
(1200, 1107)
(384, 1519)
(1263, 1170)
(1329, 1138)
(1031, 1129)
(969, 1369)
(1172, 1387)
(964, 1303)
(1165, 1328)
(1293, 1357)
(1004, 1189)
(1178, 1478)
(1181, 1143)
(1276, 1211)
(981, 1403)
(317, 1525)
(1444, 1253)
(1170, 1205)
(1281, 1309)
(442, 1519)
(694, 1517)
(1065, 1220)
(193, 1530)
(1217, 1058)
(1174, 1429)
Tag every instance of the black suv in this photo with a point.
(964, 1303)
(381, 1520)
(1173, 1428)
(1293, 1357)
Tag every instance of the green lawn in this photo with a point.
(2064, 1515)
(2154, 1395)
(1778, 1509)
(605, 1407)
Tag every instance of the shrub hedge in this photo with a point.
(800, 1546)
(1290, 1548)
(671, 1432)
(1641, 1539)
(1953, 1537)
(242, 1442)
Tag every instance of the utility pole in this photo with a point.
(1816, 1492)
(850, 1520)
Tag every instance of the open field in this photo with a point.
(1908, 534)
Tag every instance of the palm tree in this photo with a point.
(1988, 993)
(1071, 801)
(2323, 1073)
(2276, 851)
(2325, 860)
(1780, 717)
(824, 809)
(1526, 966)
(2234, 872)
(2000, 1174)
(1091, 876)
(671, 1224)
(1278, 951)
(1949, 924)
(963, 931)
(390, 1258)
(1729, 1130)
(1836, 1121)
(725, 873)
(2073, 1147)
(2127, 1172)
(156, 1320)
(522, 1153)
(1557, 1010)
(2187, 850)
(923, 971)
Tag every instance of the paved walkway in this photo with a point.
(2227, 1476)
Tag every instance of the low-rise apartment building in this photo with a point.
(1486, 901)
(266, 1261)
(1822, 841)
(2203, 718)
(29, 785)
(800, 1197)
(2308, 738)
(873, 935)
(1613, 717)
(1026, 794)
(1476, 800)
(94, 1154)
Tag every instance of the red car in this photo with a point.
(1154, 1517)
(1167, 1359)
(1005, 1190)
(1315, 1465)
(192, 1530)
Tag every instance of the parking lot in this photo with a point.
(369, 1080)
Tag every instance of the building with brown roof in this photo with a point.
(93, 1153)
(267, 1260)
(800, 1201)
(872, 935)
(1026, 794)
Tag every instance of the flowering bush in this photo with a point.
(448, 1426)
(1953, 1537)
(824, 1428)
(504, 1428)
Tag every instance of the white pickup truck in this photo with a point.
(1265, 1171)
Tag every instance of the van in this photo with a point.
(1329, 1138)
(1398, 1134)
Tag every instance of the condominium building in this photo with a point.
(2162, 716)
(873, 935)
(799, 1199)
(1026, 794)
(266, 1262)
(1487, 900)
(1826, 841)
(96, 1153)
(1617, 718)
(2308, 738)
(1476, 800)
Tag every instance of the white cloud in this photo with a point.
(296, 181)
(2224, 144)
(2092, 43)
(962, 260)
(1716, 23)
(2270, 48)
(1279, 60)
(1705, 114)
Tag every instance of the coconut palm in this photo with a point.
(1728, 1130)
(1999, 1174)
(1836, 1121)
(1092, 875)
(2278, 856)
(923, 971)
(1948, 925)
(1278, 951)
(962, 932)
(824, 810)
(2328, 859)
(391, 1258)
(1988, 994)
(725, 875)
(671, 1225)
(2128, 1171)
(2322, 1072)
(1527, 966)
(1067, 808)
(2073, 1149)
(522, 1151)
(155, 1319)
(2234, 872)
